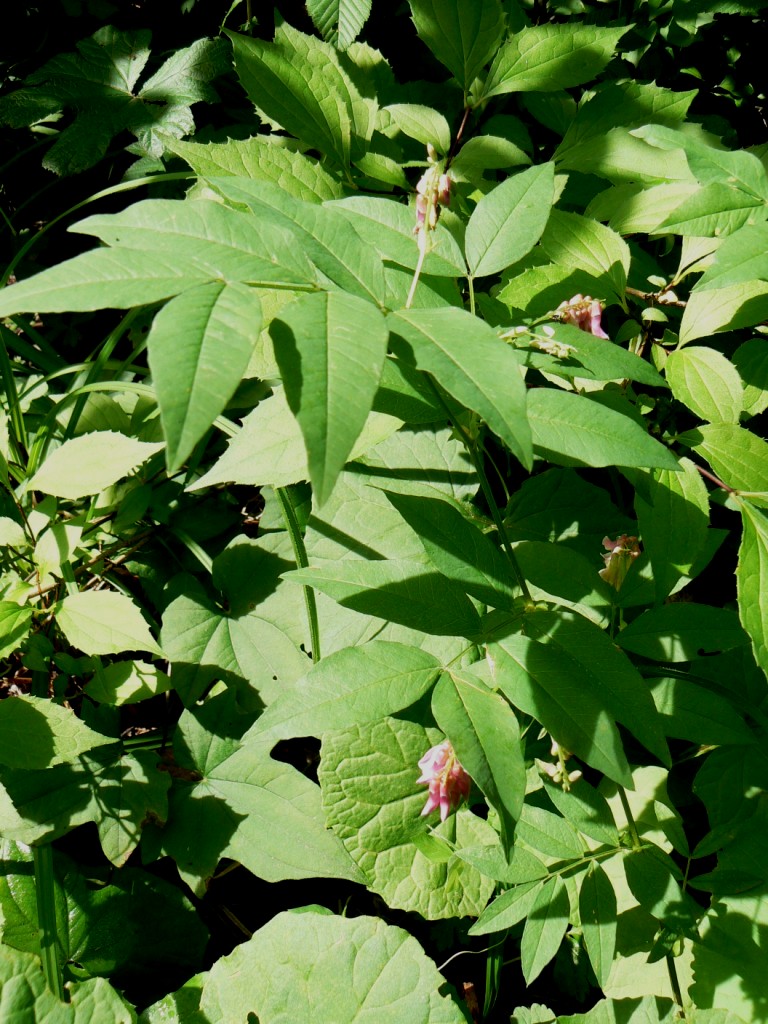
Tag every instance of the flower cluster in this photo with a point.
(621, 553)
(432, 191)
(448, 782)
(583, 312)
(558, 771)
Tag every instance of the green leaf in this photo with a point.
(398, 591)
(652, 883)
(630, 209)
(508, 909)
(710, 311)
(707, 382)
(117, 790)
(544, 928)
(738, 457)
(673, 515)
(15, 623)
(99, 82)
(537, 679)
(585, 808)
(245, 806)
(563, 576)
(291, 968)
(590, 358)
(331, 349)
(422, 123)
(25, 995)
(120, 925)
(600, 672)
(464, 37)
(549, 57)
(298, 82)
(691, 712)
(752, 580)
(259, 159)
(613, 104)
(751, 360)
(198, 348)
(325, 234)
(682, 632)
(103, 279)
(388, 226)
(245, 647)
(351, 687)
(458, 549)
(584, 244)
(712, 210)
(741, 257)
(127, 682)
(473, 365)
(574, 430)
(103, 622)
(560, 507)
(597, 910)
(485, 735)
(35, 733)
(339, 21)
(89, 463)
(508, 221)
(225, 244)
(549, 834)
(368, 775)
(740, 170)
(639, 1009)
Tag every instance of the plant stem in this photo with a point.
(45, 889)
(675, 983)
(416, 273)
(300, 554)
(631, 825)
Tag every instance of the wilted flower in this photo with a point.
(447, 780)
(583, 312)
(621, 552)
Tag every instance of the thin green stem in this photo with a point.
(12, 396)
(45, 891)
(631, 825)
(300, 554)
(675, 983)
(471, 284)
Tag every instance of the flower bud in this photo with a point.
(448, 782)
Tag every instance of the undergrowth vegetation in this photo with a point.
(383, 535)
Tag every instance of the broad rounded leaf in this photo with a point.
(293, 969)
(36, 733)
(707, 382)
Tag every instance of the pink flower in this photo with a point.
(432, 191)
(621, 553)
(583, 312)
(447, 780)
